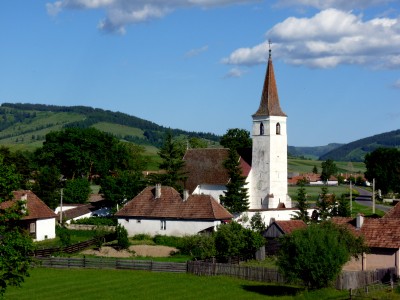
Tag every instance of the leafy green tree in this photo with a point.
(121, 187)
(76, 191)
(257, 223)
(195, 142)
(302, 205)
(198, 246)
(343, 209)
(235, 198)
(232, 239)
(325, 204)
(47, 185)
(236, 139)
(315, 255)
(15, 244)
(171, 154)
(383, 164)
(329, 168)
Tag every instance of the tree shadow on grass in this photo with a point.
(273, 290)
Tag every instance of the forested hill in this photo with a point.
(27, 124)
(355, 151)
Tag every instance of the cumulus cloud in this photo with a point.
(195, 52)
(329, 38)
(339, 4)
(234, 73)
(120, 13)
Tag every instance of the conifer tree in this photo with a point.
(235, 198)
(302, 205)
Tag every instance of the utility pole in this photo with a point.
(61, 203)
(373, 195)
(351, 198)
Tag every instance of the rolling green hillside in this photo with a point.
(312, 152)
(355, 151)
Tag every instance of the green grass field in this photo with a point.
(306, 166)
(122, 284)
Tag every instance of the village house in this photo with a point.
(161, 210)
(382, 236)
(40, 220)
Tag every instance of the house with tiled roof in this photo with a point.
(277, 229)
(382, 236)
(40, 220)
(162, 210)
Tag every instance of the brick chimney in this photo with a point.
(158, 191)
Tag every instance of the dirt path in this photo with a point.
(136, 250)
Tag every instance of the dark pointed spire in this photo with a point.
(269, 104)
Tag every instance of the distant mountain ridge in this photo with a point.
(356, 151)
(312, 152)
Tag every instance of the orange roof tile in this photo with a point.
(290, 225)
(36, 208)
(171, 205)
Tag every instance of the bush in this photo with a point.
(122, 237)
(198, 246)
(97, 221)
(165, 240)
(142, 237)
(64, 236)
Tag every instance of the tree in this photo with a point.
(383, 165)
(315, 169)
(236, 139)
(122, 237)
(172, 163)
(15, 244)
(195, 142)
(302, 205)
(123, 186)
(232, 239)
(343, 209)
(316, 254)
(76, 191)
(325, 204)
(328, 169)
(257, 223)
(235, 198)
(47, 185)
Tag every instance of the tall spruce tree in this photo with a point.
(302, 205)
(235, 198)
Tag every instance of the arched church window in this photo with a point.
(278, 128)
(261, 129)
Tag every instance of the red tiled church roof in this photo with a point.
(171, 205)
(269, 104)
(35, 207)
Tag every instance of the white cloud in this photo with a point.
(396, 84)
(195, 52)
(339, 4)
(120, 13)
(329, 38)
(234, 73)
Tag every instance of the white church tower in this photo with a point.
(269, 154)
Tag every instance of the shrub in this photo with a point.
(165, 240)
(142, 237)
(64, 236)
(122, 237)
(97, 221)
(198, 246)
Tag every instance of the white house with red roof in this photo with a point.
(40, 220)
(161, 210)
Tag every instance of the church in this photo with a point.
(264, 165)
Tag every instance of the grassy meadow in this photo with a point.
(89, 284)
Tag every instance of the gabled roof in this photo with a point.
(79, 210)
(394, 212)
(380, 232)
(290, 225)
(205, 166)
(35, 207)
(170, 205)
(269, 104)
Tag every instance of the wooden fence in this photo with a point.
(357, 279)
(111, 263)
(238, 271)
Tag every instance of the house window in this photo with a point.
(163, 225)
(261, 129)
(278, 128)
(32, 227)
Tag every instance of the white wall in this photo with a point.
(45, 228)
(173, 227)
(207, 189)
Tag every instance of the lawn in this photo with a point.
(122, 284)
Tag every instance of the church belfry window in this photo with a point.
(261, 129)
(278, 128)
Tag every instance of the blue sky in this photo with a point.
(199, 65)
